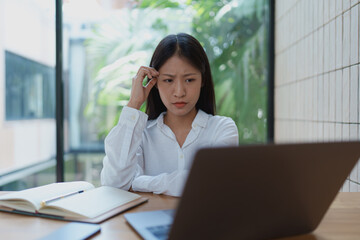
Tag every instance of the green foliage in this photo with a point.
(158, 4)
(233, 33)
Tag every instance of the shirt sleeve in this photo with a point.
(166, 183)
(123, 150)
(226, 133)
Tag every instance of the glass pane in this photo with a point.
(27, 90)
(235, 36)
(106, 42)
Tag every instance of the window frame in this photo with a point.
(59, 107)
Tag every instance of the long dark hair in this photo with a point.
(186, 46)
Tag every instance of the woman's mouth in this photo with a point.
(180, 104)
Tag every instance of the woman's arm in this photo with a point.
(122, 146)
(166, 183)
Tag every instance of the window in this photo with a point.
(30, 88)
(27, 93)
(104, 43)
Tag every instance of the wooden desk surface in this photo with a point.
(342, 221)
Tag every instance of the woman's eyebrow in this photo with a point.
(185, 75)
(189, 74)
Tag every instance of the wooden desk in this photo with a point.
(342, 221)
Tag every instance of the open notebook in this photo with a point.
(71, 201)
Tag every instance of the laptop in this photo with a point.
(254, 192)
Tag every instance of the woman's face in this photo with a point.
(179, 85)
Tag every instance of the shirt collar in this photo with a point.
(200, 120)
(159, 121)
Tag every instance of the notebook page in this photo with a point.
(93, 203)
(39, 194)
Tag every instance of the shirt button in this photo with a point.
(133, 117)
(195, 125)
(181, 156)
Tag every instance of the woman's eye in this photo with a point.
(190, 80)
(168, 80)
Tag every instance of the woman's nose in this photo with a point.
(179, 90)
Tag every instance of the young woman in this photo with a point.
(153, 152)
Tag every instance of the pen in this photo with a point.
(45, 202)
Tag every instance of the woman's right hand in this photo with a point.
(139, 93)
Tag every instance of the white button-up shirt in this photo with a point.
(146, 156)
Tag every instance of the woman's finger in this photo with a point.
(154, 73)
(149, 76)
(150, 70)
(139, 78)
(150, 85)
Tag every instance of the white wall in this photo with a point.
(27, 29)
(317, 73)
